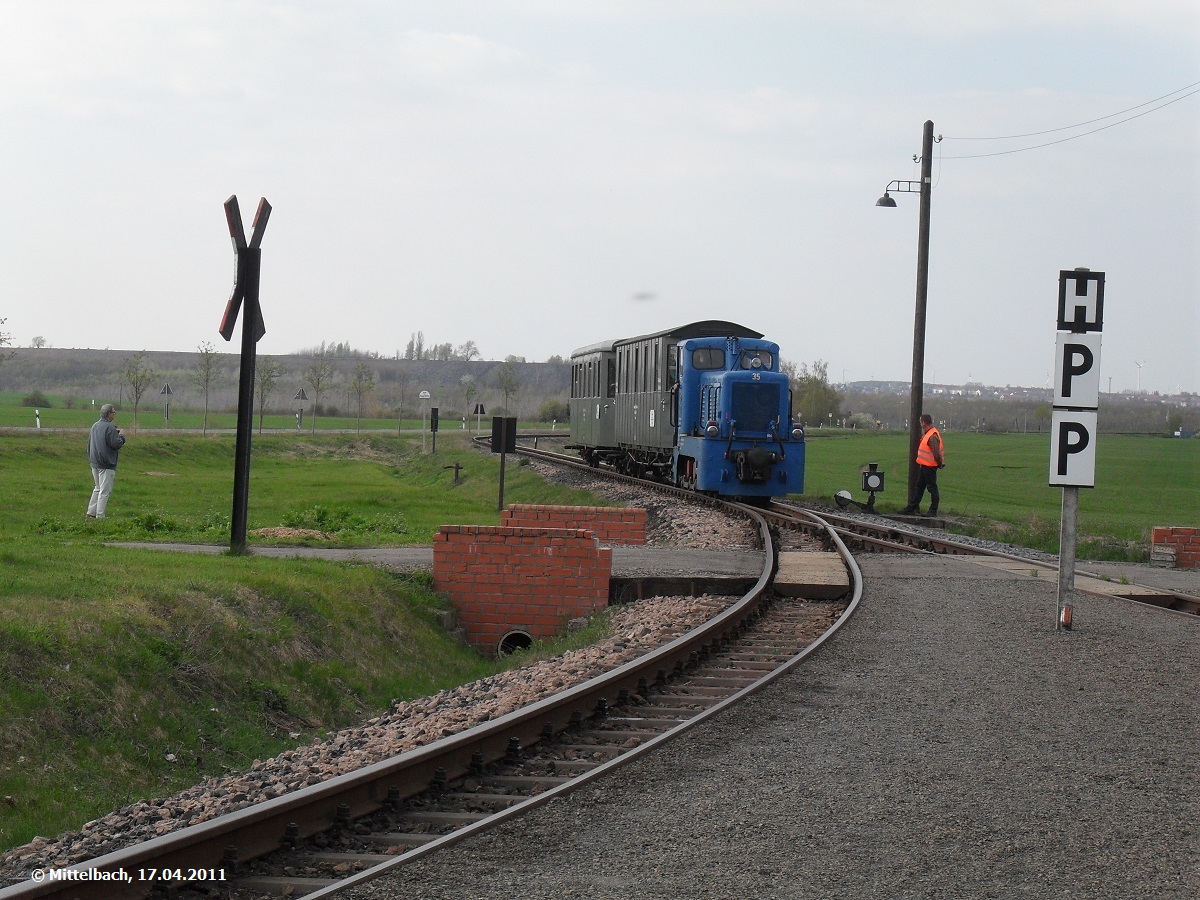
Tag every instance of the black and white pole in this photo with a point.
(166, 393)
(424, 398)
(1074, 422)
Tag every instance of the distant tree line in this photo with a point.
(416, 348)
(814, 400)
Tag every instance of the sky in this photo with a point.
(539, 175)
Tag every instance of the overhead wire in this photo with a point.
(1009, 137)
(1191, 90)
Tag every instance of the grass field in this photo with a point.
(151, 418)
(997, 485)
(130, 673)
(133, 673)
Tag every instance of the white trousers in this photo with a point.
(104, 484)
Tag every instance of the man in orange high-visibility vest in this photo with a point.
(931, 456)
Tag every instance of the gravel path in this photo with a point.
(949, 743)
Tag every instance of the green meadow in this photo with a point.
(152, 417)
(996, 485)
(129, 673)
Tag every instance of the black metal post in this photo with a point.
(918, 364)
(245, 293)
(249, 260)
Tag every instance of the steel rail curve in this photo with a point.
(871, 536)
(261, 829)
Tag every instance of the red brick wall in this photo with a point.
(611, 524)
(1185, 541)
(505, 578)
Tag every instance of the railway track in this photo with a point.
(875, 535)
(317, 840)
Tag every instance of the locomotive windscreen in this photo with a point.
(755, 404)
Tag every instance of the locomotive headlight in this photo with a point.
(797, 433)
(712, 430)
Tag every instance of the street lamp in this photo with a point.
(924, 187)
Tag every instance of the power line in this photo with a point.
(1009, 137)
(1191, 88)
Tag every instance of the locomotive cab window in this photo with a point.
(757, 359)
(704, 358)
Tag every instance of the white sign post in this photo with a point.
(1074, 419)
(424, 398)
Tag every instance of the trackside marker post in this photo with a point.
(504, 441)
(1074, 420)
(245, 294)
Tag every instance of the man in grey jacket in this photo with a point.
(104, 442)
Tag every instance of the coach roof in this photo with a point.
(707, 328)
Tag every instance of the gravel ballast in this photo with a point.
(947, 743)
(636, 629)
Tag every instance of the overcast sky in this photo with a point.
(538, 175)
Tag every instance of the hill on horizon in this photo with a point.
(81, 376)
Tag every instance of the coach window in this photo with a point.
(612, 378)
(672, 365)
(704, 358)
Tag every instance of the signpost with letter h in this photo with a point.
(1076, 400)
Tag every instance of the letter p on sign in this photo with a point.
(1077, 371)
(1073, 448)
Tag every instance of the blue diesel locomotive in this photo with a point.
(703, 406)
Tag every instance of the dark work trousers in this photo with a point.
(926, 478)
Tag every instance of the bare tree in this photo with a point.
(5, 337)
(416, 346)
(403, 380)
(318, 376)
(469, 392)
(38, 342)
(363, 384)
(137, 376)
(467, 351)
(508, 381)
(204, 375)
(266, 373)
